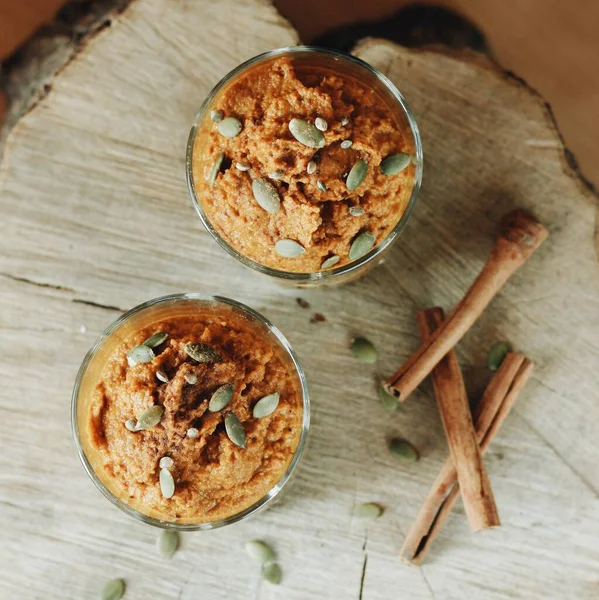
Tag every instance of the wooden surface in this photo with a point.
(96, 218)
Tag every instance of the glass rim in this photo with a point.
(329, 273)
(272, 493)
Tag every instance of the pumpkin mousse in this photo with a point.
(301, 168)
(195, 417)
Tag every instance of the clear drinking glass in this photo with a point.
(140, 317)
(343, 64)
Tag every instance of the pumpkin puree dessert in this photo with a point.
(300, 168)
(196, 417)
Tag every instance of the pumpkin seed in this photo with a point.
(276, 175)
(162, 376)
(166, 462)
(131, 424)
(369, 511)
(167, 483)
(260, 551)
(155, 340)
(403, 451)
(389, 402)
(345, 144)
(217, 115)
(242, 167)
(167, 543)
(330, 262)
(114, 590)
(356, 211)
(266, 195)
(190, 378)
(235, 430)
(345, 121)
(215, 169)
(272, 573)
(361, 245)
(363, 350)
(265, 406)
(289, 248)
(202, 353)
(230, 127)
(321, 185)
(192, 433)
(221, 397)
(140, 354)
(357, 175)
(150, 417)
(306, 133)
(311, 168)
(395, 163)
(321, 124)
(497, 355)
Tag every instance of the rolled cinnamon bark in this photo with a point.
(452, 401)
(519, 237)
(496, 403)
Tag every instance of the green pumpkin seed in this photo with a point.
(265, 406)
(497, 355)
(150, 417)
(395, 163)
(345, 144)
(131, 424)
(190, 378)
(362, 245)
(311, 168)
(162, 376)
(321, 124)
(230, 127)
(363, 350)
(330, 262)
(403, 451)
(192, 433)
(166, 462)
(215, 169)
(202, 353)
(266, 195)
(155, 340)
(260, 551)
(114, 590)
(235, 430)
(276, 175)
(369, 511)
(167, 484)
(321, 185)
(289, 248)
(389, 402)
(167, 543)
(140, 354)
(356, 175)
(356, 211)
(306, 133)
(217, 115)
(242, 167)
(221, 397)
(272, 573)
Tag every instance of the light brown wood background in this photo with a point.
(552, 44)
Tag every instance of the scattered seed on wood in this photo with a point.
(363, 350)
(303, 303)
(368, 511)
(167, 543)
(497, 355)
(260, 551)
(271, 572)
(402, 450)
(318, 318)
(388, 401)
(113, 590)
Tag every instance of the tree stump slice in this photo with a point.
(97, 219)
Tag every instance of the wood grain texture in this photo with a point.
(96, 218)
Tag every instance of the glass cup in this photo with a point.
(140, 317)
(338, 63)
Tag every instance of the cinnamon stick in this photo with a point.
(520, 235)
(452, 400)
(496, 403)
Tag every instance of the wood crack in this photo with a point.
(52, 286)
(98, 305)
(363, 578)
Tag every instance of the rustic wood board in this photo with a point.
(96, 218)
